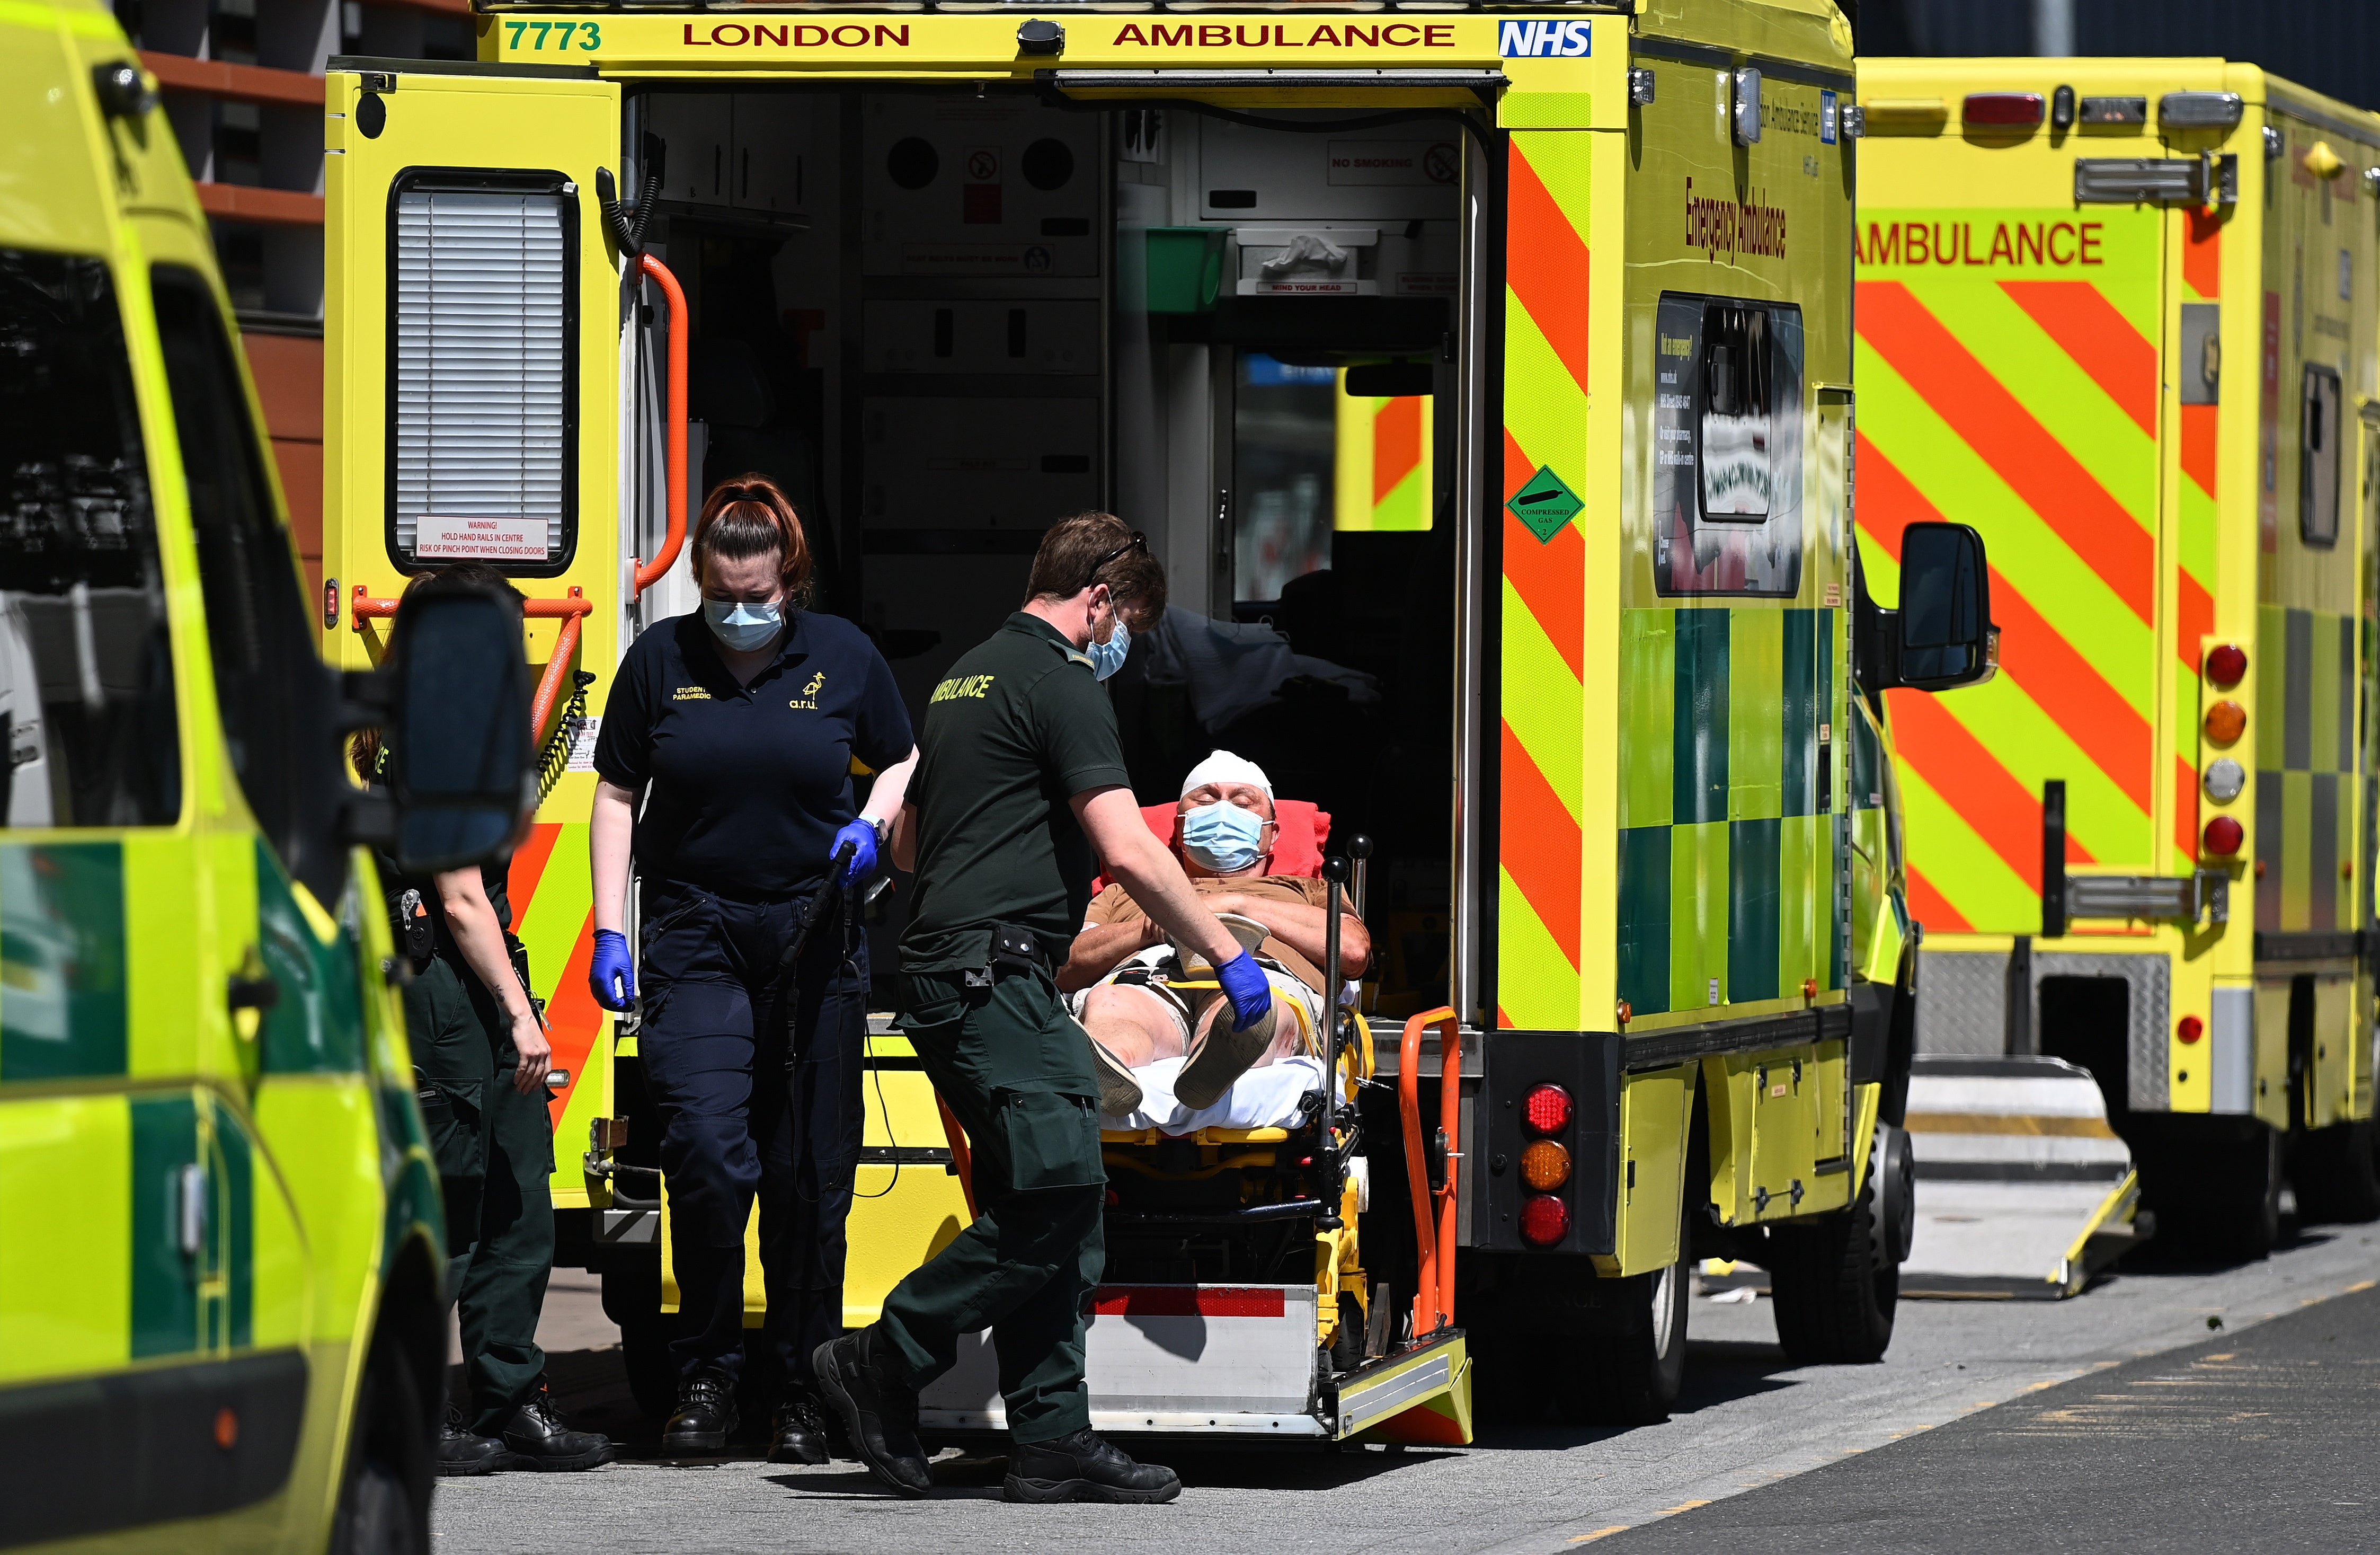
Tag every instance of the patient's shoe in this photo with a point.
(1220, 1055)
(1247, 931)
(1084, 1466)
(1119, 1092)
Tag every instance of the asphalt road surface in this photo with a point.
(2153, 1412)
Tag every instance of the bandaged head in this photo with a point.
(1222, 836)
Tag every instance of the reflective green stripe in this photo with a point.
(1752, 909)
(1802, 714)
(1644, 918)
(1699, 709)
(234, 1170)
(62, 983)
(313, 1027)
(165, 1281)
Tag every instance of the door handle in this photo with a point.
(252, 993)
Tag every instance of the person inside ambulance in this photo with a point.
(480, 1059)
(1150, 1011)
(725, 759)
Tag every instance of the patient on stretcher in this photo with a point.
(1152, 1012)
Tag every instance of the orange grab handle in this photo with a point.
(367, 607)
(961, 1157)
(549, 685)
(674, 422)
(1433, 1222)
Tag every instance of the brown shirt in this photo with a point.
(1114, 906)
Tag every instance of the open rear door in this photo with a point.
(471, 387)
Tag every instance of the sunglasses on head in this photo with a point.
(1137, 543)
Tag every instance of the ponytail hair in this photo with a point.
(751, 516)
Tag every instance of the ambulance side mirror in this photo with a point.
(454, 704)
(1943, 630)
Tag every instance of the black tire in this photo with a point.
(1835, 1285)
(2222, 1201)
(385, 1494)
(2336, 1174)
(1628, 1368)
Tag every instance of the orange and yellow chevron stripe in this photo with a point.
(1540, 846)
(2026, 401)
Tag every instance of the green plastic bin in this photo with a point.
(1186, 268)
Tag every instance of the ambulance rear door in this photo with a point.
(473, 312)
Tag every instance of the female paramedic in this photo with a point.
(724, 760)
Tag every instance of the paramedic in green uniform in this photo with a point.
(1020, 777)
(480, 1059)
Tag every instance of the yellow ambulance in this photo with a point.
(1483, 376)
(2119, 316)
(220, 1244)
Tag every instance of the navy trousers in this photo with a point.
(746, 1113)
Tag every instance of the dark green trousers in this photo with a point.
(495, 1159)
(1015, 1069)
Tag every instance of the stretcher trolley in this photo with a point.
(1237, 1302)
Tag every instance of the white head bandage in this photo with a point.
(1221, 766)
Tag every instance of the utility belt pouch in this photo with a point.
(417, 931)
(1015, 949)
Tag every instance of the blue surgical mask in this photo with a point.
(1108, 657)
(743, 626)
(1224, 837)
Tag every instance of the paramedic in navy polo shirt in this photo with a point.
(725, 764)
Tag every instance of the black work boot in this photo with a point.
(798, 1435)
(1085, 1466)
(464, 1450)
(540, 1440)
(880, 1415)
(706, 1413)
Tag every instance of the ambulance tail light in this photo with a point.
(1548, 1109)
(2224, 836)
(2227, 665)
(1545, 1221)
(1545, 1166)
(2003, 107)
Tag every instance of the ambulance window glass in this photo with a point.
(1734, 431)
(2319, 442)
(482, 458)
(268, 684)
(86, 662)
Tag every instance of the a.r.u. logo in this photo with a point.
(1544, 40)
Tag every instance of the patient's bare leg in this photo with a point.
(1132, 1023)
(1285, 1029)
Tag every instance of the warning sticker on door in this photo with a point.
(583, 731)
(480, 540)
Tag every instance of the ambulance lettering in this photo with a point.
(969, 686)
(1544, 39)
(2057, 245)
(1344, 35)
(803, 35)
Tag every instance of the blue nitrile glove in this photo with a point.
(1246, 987)
(613, 975)
(861, 835)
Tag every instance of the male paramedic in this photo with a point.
(1020, 776)
(1122, 977)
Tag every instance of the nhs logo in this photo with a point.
(1544, 39)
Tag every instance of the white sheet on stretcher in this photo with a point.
(1265, 1098)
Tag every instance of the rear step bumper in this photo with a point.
(1239, 1361)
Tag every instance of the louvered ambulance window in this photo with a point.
(483, 375)
(2319, 442)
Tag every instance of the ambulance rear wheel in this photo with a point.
(2221, 1201)
(2338, 1173)
(1835, 1285)
(384, 1495)
(1627, 1369)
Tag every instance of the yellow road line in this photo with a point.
(1599, 1533)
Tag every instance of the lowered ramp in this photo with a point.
(2023, 1189)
